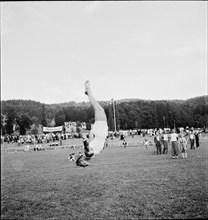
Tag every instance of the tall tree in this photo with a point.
(60, 118)
(117, 117)
(24, 122)
(43, 116)
(3, 131)
(110, 117)
(35, 120)
(10, 121)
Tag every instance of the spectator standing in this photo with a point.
(106, 143)
(196, 134)
(122, 136)
(174, 144)
(165, 142)
(124, 143)
(146, 143)
(158, 143)
(191, 139)
(183, 145)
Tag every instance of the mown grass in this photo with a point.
(130, 183)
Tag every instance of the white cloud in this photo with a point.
(91, 7)
(7, 20)
(183, 51)
(38, 16)
(50, 93)
(49, 100)
(6, 30)
(51, 89)
(79, 96)
(144, 38)
(17, 14)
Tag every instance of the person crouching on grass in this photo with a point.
(99, 129)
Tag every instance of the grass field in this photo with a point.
(130, 183)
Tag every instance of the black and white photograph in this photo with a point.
(104, 110)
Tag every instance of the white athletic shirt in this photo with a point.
(165, 137)
(173, 137)
(191, 136)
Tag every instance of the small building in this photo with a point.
(70, 127)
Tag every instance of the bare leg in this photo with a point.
(99, 116)
(99, 111)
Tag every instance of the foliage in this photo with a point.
(24, 122)
(3, 131)
(34, 130)
(130, 114)
(43, 116)
(10, 120)
(60, 118)
(35, 120)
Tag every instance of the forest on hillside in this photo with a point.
(130, 114)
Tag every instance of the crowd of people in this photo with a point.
(33, 139)
(178, 141)
(164, 140)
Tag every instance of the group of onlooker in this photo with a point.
(178, 142)
(33, 139)
(30, 139)
(178, 139)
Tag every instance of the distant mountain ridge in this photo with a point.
(129, 113)
(192, 101)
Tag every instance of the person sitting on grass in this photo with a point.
(99, 130)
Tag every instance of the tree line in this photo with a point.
(129, 114)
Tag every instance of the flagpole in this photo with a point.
(114, 115)
(164, 121)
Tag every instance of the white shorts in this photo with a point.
(100, 130)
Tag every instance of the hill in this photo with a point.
(130, 113)
(28, 105)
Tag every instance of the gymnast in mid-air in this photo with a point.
(99, 129)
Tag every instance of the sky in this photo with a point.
(151, 50)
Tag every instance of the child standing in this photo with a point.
(183, 146)
(146, 143)
(124, 143)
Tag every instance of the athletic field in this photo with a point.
(120, 183)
